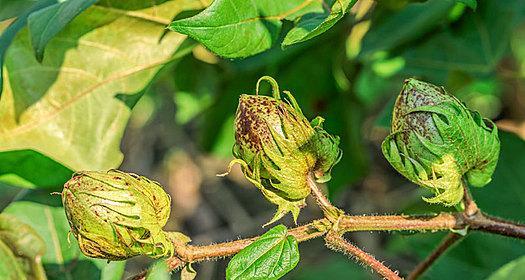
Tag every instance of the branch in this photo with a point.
(191, 253)
(483, 222)
(474, 219)
(331, 212)
(443, 221)
(448, 241)
(337, 243)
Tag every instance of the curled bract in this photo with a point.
(279, 148)
(437, 142)
(116, 215)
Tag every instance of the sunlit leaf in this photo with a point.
(67, 111)
(238, 28)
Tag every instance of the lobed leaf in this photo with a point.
(271, 256)
(70, 112)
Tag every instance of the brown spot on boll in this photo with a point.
(250, 125)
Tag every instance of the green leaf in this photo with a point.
(13, 8)
(68, 110)
(8, 34)
(313, 24)
(62, 258)
(158, 271)
(474, 46)
(404, 26)
(271, 256)
(512, 270)
(48, 175)
(473, 4)
(112, 270)
(44, 24)
(238, 28)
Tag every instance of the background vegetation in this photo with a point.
(107, 86)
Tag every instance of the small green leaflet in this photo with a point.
(271, 256)
(313, 24)
(238, 28)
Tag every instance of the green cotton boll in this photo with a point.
(116, 215)
(279, 149)
(437, 142)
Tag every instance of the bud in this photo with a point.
(278, 148)
(436, 141)
(116, 215)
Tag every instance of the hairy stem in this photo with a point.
(443, 221)
(331, 212)
(337, 243)
(448, 241)
(483, 222)
(347, 223)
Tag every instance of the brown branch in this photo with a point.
(483, 222)
(191, 253)
(448, 241)
(443, 221)
(337, 243)
(472, 218)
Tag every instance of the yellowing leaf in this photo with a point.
(65, 108)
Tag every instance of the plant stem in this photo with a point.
(331, 212)
(448, 241)
(337, 243)
(483, 222)
(443, 221)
